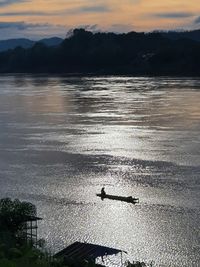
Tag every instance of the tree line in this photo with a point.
(85, 52)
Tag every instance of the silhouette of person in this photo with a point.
(103, 192)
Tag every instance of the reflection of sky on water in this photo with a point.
(63, 138)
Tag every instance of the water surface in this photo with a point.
(62, 139)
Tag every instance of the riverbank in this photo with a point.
(107, 54)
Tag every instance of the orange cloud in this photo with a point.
(141, 15)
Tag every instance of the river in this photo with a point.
(63, 138)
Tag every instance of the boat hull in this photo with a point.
(119, 198)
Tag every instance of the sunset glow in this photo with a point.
(35, 18)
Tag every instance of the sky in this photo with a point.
(37, 19)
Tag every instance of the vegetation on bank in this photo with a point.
(17, 251)
(108, 53)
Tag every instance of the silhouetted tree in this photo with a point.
(87, 52)
(13, 213)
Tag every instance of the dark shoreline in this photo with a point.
(98, 54)
(85, 75)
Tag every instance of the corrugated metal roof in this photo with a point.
(86, 251)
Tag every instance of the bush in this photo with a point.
(14, 253)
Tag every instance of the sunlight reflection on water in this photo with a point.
(62, 139)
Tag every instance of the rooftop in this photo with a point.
(86, 251)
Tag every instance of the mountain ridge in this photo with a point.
(27, 43)
(85, 52)
(54, 41)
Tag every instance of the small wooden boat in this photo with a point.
(119, 198)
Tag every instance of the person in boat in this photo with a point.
(103, 192)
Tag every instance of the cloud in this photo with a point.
(11, 2)
(120, 28)
(197, 20)
(84, 9)
(24, 13)
(135, 1)
(93, 9)
(21, 25)
(35, 31)
(72, 11)
(174, 15)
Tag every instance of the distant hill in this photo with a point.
(26, 43)
(54, 41)
(13, 43)
(85, 52)
(173, 35)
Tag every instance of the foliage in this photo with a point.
(26, 256)
(12, 217)
(108, 53)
